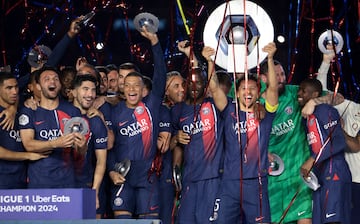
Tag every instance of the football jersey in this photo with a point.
(57, 170)
(96, 140)
(246, 144)
(288, 137)
(203, 153)
(12, 173)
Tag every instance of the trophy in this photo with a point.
(311, 181)
(146, 19)
(276, 166)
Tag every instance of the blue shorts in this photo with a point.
(139, 194)
(332, 202)
(232, 206)
(197, 201)
(167, 197)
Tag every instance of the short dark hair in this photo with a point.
(224, 78)
(79, 79)
(264, 69)
(43, 69)
(147, 82)
(5, 76)
(102, 69)
(136, 74)
(314, 84)
(111, 67)
(129, 66)
(251, 76)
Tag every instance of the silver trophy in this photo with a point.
(76, 124)
(311, 181)
(276, 166)
(146, 19)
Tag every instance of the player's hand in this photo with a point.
(33, 156)
(148, 35)
(182, 137)
(93, 112)
(306, 167)
(270, 48)
(163, 141)
(308, 108)
(80, 143)
(65, 141)
(8, 122)
(99, 101)
(183, 46)
(31, 103)
(117, 178)
(80, 62)
(207, 52)
(330, 55)
(74, 27)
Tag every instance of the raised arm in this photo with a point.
(62, 45)
(159, 77)
(218, 95)
(272, 93)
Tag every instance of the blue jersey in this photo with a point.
(164, 126)
(203, 153)
(106, 111)
(96, 140)
(324, 128)
(12, 173)
(242, 158)
(136, 130)
(57, 170)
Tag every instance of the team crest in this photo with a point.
(205, 110)
(23, 119)
(139, 110)
(118, 201)
(289, 110)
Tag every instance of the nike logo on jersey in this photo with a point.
(122, 123)
(258, 219)
(301, 213)
(152, 208)
(39, 122)
(182, 119)
(330, 215)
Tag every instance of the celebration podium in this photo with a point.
(57, 206)
(47, 204)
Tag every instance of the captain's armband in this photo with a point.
(270, 108)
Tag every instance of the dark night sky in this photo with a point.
(110, 26)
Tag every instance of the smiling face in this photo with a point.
(84, 95)
(49, 84)
(305, 93)
(175, 90)
(247, 94)
(133, 90)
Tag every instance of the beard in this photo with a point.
(281, 88)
